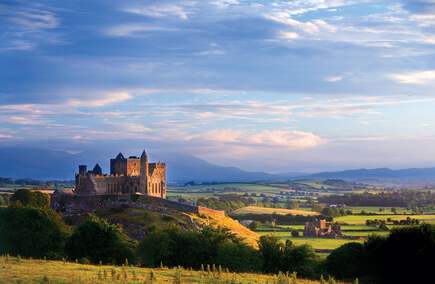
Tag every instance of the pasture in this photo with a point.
(18, 270)
(361, 219)
(270, 211)
(316, 243)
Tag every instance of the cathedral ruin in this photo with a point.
(132, 175)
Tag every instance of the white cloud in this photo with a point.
(131, 30)
(5, 136)
(424, 20)
(221, 4)
(266, 138)
(333, 79)
(288, 35)
(34, 19)
(164, 10)
(310, 27)
(417, 78)
(107, 99)
(136, 127)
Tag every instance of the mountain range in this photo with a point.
(35, 163)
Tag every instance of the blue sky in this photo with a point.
(264, 85)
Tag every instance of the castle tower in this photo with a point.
(144, 170)
(97, 170)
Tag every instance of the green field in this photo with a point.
(377, 210)
(316, 243)
(197, 191)
(361, 219)
(26, 271)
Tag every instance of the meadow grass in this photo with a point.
(269, 211)
(23, 271)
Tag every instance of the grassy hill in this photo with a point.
(147, 213)
(217, 220)
(17, 270)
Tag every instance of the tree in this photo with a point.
(238, 257)
(346, 262)
(300, 259)
(271, 251)
(292, 204)
(34, 232)
(405, 256)
(254, 225)
(173, 246)
(97, 240)
(29, 198)
(317, 207)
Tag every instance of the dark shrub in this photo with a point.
(347, 261)
(32, 232)
(173, 246)
(97, 240)
(25, 197)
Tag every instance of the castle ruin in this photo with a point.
(322, 229)
(132, 175)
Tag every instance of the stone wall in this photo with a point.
(72, 204)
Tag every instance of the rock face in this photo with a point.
(127, 176)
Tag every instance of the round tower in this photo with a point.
(144, 169)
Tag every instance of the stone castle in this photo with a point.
(132, 175)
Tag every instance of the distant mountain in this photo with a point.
(18, 162)
(377, 174)
(185, 168)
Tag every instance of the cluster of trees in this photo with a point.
(26, 181)
(227, 202)
(335, 212)
(405, 256)
(381, 222)
(405, 198)
(29, 227)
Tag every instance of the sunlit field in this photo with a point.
(361, 219)
(267, 211)
(18, 270)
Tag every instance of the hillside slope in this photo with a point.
(217, 220)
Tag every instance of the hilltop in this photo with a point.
(139, 216)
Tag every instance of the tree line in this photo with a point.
(405, 198)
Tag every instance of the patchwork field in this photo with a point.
(14, 270)
(377, 210)
(269, 211)
(316, 243)
(361, 219)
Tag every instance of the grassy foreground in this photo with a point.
(18, 270)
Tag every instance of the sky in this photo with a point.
(274, 86)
